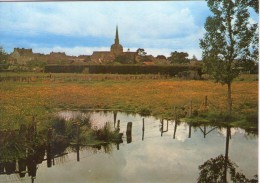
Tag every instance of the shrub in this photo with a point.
(106, 133)
(126, 69)
(145, 112)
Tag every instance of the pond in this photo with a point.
(154, 150)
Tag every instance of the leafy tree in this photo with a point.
(161, 57)
(229, 37)
(141, 52)
(179, 58)
(254, 4)
(249, 66)
(36, 63)
(124, 59)
(3, 55)
(194, 58)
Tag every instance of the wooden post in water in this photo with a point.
(143, 130)
(189, 130)
(115, 114)
(129, 132)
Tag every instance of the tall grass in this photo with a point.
(19, 101)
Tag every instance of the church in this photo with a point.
(115, 51)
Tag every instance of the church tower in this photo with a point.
(116, 48)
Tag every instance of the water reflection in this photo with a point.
(24, 153)
(217, 169)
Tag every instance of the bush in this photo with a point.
(106, 133)
(145, 112)
(59, 125)
(252, 118)
(126, 69)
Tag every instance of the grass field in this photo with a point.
(42, 94)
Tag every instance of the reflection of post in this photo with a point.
(2, 167)
(167, 126)
(32, 166)
(21, 167)
(226, 153)
(161, 127)
(77, 147)
(143, 130)
(118, 124)
(175, 128)
(115, 114)
(205, 131)
(49, 153)
(189, 130)
(162, 130)
(129, 132)
(10, 167)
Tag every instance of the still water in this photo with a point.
(157, 151)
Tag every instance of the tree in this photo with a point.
(194, 58)
(254, 4)
(141, 52)
(124, 59)
(161, 57)
(229, 37)
(3, 55)
(178, 57)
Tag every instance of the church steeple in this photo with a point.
(117, 37)
(116, 48)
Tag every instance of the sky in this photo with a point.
(79, 28)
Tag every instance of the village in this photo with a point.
(25, 57)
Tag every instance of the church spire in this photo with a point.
(117, 37)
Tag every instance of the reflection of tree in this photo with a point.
(216, 169)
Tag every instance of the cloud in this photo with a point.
(165, 26)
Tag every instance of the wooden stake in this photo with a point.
(190, 108)
(189, 130)
(129, 132)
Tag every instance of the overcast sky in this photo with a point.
(79, 28)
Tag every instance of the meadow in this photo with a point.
(23, 95)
